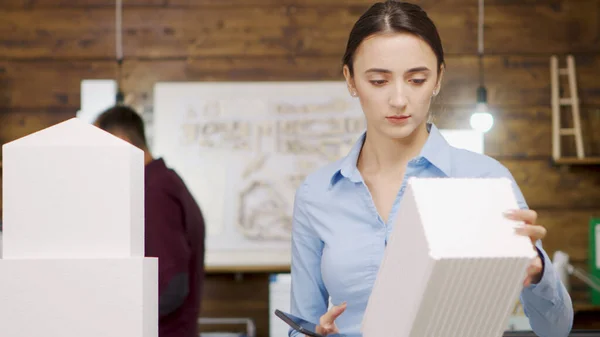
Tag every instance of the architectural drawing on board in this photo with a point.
(244, 148)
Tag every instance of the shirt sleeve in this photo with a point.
(165, 239)
(309, 297)
(547, 304)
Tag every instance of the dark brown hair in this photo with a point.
(124, 119)
(393, 16)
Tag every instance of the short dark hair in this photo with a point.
(124, 119)
(393, 16)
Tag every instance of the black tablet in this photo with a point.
(298, 324)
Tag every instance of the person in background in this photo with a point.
(344, 212)
(174, 229)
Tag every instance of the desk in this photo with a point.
(233, 269)
(587, 316)
(574, 333)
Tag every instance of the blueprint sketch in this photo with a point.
(244, 148)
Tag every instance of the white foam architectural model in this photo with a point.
(73, 237)
(454, 265)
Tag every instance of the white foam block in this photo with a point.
(453, 266)
(79, 297)
(72, 190)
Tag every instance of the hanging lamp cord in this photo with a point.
(480, 42)
(119, 50)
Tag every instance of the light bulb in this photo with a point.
(481, 119)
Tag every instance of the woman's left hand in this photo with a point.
(535, 232)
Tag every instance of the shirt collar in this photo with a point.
(436, 151)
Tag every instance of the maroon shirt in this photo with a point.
(174, 232)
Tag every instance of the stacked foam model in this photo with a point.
(453, 265)
(73, 260)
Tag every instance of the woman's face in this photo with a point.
(395, 78)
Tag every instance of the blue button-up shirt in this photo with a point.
(338, 239)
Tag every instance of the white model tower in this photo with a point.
(454, 265)
(73, 260)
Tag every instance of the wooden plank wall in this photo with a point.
(48, 46)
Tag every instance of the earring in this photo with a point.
(434, 93)
(354, 93)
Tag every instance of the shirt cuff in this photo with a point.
(546, 288)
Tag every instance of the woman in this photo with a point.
(344, 212)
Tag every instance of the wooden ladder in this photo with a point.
(558, 102)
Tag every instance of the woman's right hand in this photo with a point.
(327, 322)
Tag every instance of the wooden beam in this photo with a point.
(48, 85)
(285, 30)
(424, 3)
(578, 161)
(14, 125)
(46, 4)
(546, 186)
(203, 3)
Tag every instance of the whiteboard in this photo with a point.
(243, 148)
